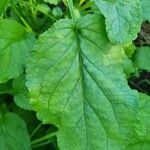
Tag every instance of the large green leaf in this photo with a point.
(76, 82)
(13, 133)
(146, 9)
(15, 47)
(123, 19)
(142, 58)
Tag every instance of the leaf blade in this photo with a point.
(141, 58)
(15, 47)
(14, 135)
(69, 83)
(145, 9)
(21, 94)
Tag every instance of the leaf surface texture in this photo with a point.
(13, 133)
(15, 47)
(76, 82)
(123, 19)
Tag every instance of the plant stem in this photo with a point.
(42, 144)
(5, 89)
(36, 129)
(32, 8)
(7, 92)
(87, 5)
(23, 20)
(46, 137)
(71, 8)
(50, 16)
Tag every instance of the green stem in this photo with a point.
(6, 89)
(24, 3)
(0, 115)
(23, 20)
(50, 16)
(42, 144)
(46, 137)
(32, 8)
(81, 2)
(71, 8)
(1, 16)
(87, 5)
(7, 92)
(36, 129)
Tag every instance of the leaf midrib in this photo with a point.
(82, 78)
(82, 67)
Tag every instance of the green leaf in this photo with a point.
(52, 1)
(13, 133)
(128, 63)
(76, 82)
(128, 67)
(57, 11)
(123, 19)
(139, 146)
(146, 9)
(3, 4)
(15, 47)
(144, 114)
(143, 141)
(21, 96)
(45, 9)
(129, 50)
(142, 58)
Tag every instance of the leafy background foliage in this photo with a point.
(72, 75)
(14, 133)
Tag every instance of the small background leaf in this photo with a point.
(15, 47)
(14, 134)
(3, 4)
(142, 58)
(21, 96)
